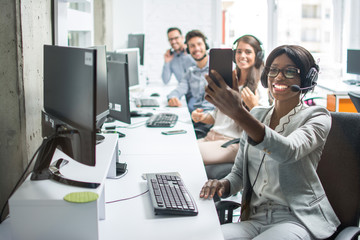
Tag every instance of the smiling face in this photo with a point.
(197, 48)
(244, 55)
(176, 40)
(280, 86)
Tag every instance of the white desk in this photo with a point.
(143, 140)
(38, 210)
(147, 150)
(336, 93)
(337, 87)
(134, 219)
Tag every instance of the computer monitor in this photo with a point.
(137, 41)
(102, 98)
(133, 65)
(118, 83)
(70, 109)
(353, 61)
(117, 57)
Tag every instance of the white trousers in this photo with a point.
(265, 223)
(212, 152)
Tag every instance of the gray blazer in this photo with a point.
(298, 150)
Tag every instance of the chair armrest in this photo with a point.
(348, 233)
(222, 207)
(233, 141)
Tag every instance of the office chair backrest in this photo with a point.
(355, 98)
(339, 168)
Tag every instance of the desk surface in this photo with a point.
(135, 219)
(337, 86)
(146, 150)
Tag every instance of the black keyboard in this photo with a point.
(162, 120)
(146, 102)
(169, 195)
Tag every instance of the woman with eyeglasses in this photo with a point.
(280, 149)
(248, 57)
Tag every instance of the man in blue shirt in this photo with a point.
(177, 61)
(193, 83)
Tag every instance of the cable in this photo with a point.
(124, 199)
(43, 144)
(24, 173)
(288, 118)
(283, 128)
(246, 205)
(134, 125)
(257, 174)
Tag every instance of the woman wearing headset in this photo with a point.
(248, 57)
(279, 152)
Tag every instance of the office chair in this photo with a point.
(339, 172)
(220, 170)
(201, 129)
(355, 98)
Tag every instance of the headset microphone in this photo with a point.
(297, 88)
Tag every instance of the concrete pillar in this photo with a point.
(24, 27)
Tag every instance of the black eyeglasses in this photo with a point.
(174, 38)
(289, 72)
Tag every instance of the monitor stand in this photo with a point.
(99, 139)
(109, 120)
(43, 170)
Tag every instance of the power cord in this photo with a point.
(46, 140)
(24, 173)
(124, 199)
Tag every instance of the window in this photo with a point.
(310, 35)
(244, 17)
(310, 11)
(311, 24)
(325, 27)
(74, 23)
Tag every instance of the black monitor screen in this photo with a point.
(102, 99)
(137, 41)
(133, 65)
(69, 96)
(353, 61)
(118, 83)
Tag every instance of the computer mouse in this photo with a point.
(149, 114)
(135, 114)
(155, 95)
(140, 114)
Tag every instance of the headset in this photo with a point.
(259, 55)
(307, 83)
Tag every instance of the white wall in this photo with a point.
(154, 17)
